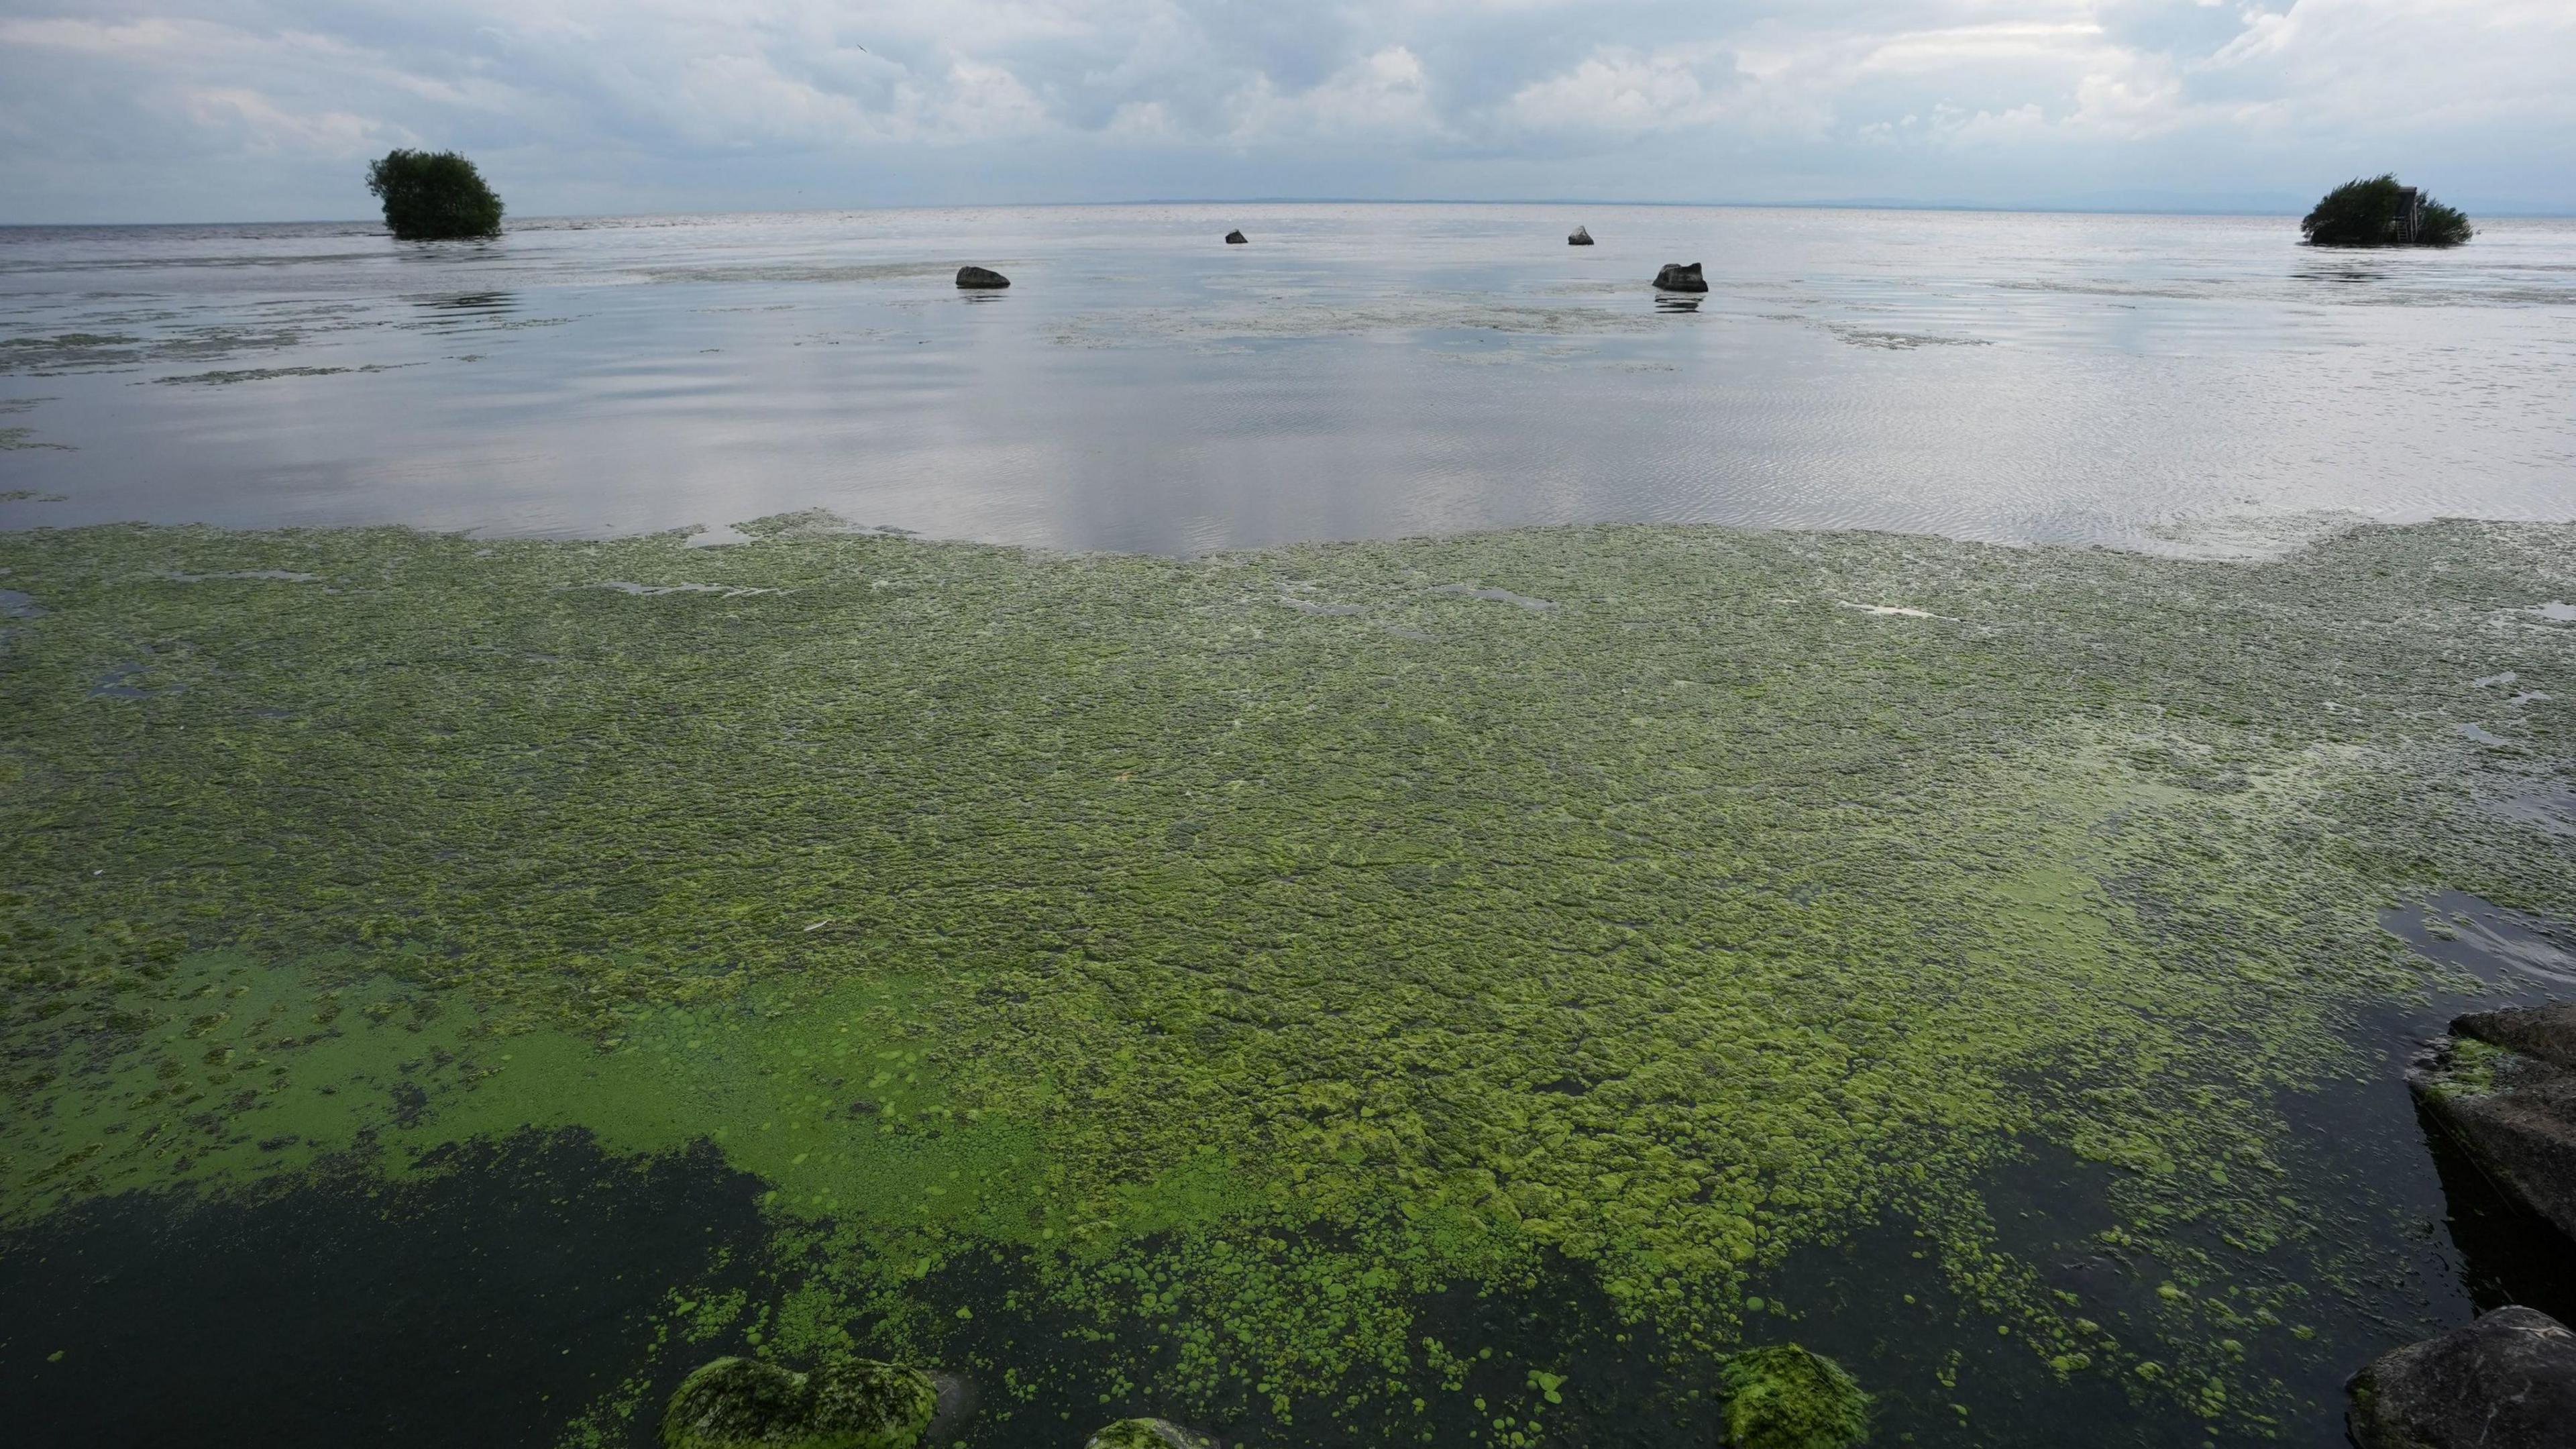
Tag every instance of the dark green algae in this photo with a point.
(1247, 972)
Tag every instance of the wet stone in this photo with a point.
(2507, 1381)
(2503, 1087)
(981, 278)
(1676, 277)
(2546, 1032)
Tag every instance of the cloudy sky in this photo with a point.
(167, 110)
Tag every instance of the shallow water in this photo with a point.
(528, 1272)
(2157, 382)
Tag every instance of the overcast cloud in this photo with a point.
(258, 109)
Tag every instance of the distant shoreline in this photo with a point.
(2288, 211)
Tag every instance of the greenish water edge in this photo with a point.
(1250, 949)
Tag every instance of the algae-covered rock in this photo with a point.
(1148, 1434)
(2507, 1381)
(741, 1403)
(2502, 1088)
(2546, 1032)
(1787, 1397)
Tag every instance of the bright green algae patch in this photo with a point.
(1259, 943)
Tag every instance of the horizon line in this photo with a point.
(1837, 204)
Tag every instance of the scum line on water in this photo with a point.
(1249, 972)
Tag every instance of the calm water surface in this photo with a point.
(2153, 382)
(2156, 382)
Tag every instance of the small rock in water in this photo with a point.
(2507, 1381)
(742, 1403)
(2503, 1085)
(1234, 239)
(1582, 237)
(983, 277)
(1678, 278)
(1148, 1434)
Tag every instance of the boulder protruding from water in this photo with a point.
(2546, 1032)
(2503, 1086)
(2507, 1381)
(1786, 1396)
(1582, 237)
(1234, 238)
(981, 278)
(1678, 278)
(743, 1403)
(1148, 1434)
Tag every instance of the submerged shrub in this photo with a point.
(2381, 213)
(429, 195)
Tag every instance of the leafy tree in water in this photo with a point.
(433, 194)
(2373, 214)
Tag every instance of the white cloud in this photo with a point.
(261, 125)
(1141, 121)
(1454, 96)
(1930, 52)
(2382, 63)
(985, 101)
(1621, 91)
(65, 32)
(1383, 97)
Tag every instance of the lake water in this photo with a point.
(2173, 383)
(2197, 383)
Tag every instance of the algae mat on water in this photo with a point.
(1249, 949)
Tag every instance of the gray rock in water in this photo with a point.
(1678, 278)
(1582, 237)
(1148, 1434)
(2507, 1381)
(981, 277)
(1234, 239)
(2547, 1032)
(2501, 1086)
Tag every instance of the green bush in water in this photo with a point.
(2373, 213)
(741, 1403)
(1787, 1397)
(429, 195)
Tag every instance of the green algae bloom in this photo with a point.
(2467, 1067)
(1247, 951)
(739, 1403)
(1784, 1397)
